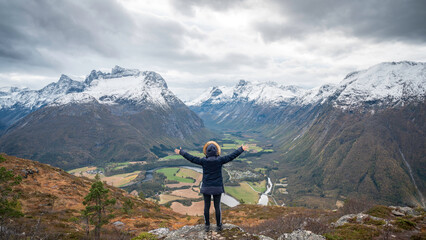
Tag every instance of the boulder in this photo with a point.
(398, 213)
(118, 224)
(197, 233)
(404, 210)
(160, 232)
(359, 218)
(301, 235)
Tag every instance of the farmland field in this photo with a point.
(170, 173)
(244, 192)
(258, 186)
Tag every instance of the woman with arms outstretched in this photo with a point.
(212, 177)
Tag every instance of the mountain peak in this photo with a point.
(215, 92)
(242, 83)
(155, 79)
(117, 69)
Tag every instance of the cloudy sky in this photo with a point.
(195, 44)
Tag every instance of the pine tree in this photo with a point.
(96, 202)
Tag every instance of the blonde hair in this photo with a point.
(209, 143)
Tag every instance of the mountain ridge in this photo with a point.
(354, 90)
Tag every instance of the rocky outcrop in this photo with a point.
(301, 235)
(404, 211)
(359, 218)
(196, 232)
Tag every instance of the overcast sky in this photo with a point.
(195, 44)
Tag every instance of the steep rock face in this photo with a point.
(115, 116)
(362, 137)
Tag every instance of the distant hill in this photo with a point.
(362, 137)
(117, 116)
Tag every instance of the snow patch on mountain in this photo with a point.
(383, 84)
(73, 98)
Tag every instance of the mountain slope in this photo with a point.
(52, 199)
(118, 116)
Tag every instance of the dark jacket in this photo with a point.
(212, 168)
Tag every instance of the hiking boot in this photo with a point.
(219, 228)
(206, 228)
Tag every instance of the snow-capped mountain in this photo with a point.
(13, 97)
(113, 116)
(385, 84)
(139, 89)
(269, 93)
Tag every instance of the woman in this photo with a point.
(212, 177)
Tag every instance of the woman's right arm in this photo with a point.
(189, 157)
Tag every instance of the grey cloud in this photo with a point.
(373, 19)
(29, 28)
(187, 6)
(52, 34)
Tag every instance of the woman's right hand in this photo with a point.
(177, 151)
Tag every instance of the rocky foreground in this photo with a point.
(230, 231)
(379, 222)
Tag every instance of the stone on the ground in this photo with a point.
(301, 235)
(118, 224)
(398, 213)
(359, 218)
(405, 210)
(197, 233)
(160, 232)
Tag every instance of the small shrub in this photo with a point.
(141, 224)
(353, 231)
(2, 159)
(419, 236)
(73, 219)
(146, 235)
(405, 224)
(353, 206)
(371, 221)
(379, 211)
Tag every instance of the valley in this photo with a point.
(175, 182)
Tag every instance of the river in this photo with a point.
(264, 197)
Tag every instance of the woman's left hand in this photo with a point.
(245, 148)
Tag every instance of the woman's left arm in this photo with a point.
(233, 155)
